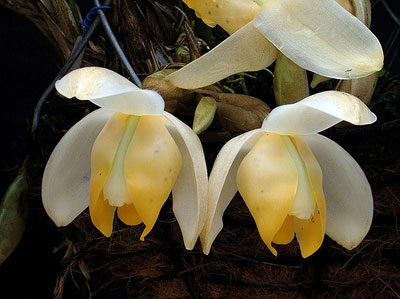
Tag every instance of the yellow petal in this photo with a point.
(128, 215)
(103, 153)
(285, 234)
(152, 165)
(267, 180)
(102, 215)
(310, 233)
(229, 14)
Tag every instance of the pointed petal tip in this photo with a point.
(189, 246)
(145, 233)
(59, 219)
(348, 244)
(206, 246)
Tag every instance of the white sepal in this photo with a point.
(190, 189)
(66, 178)
(348, 194)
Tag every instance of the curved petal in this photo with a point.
(229, 14)
(317, 113)
(348, 194)
(245, 50)
(267, 179)
(152, 164)
(222, 183)
(110, 90)
(321, 36)
(190, 189)
(66, 178)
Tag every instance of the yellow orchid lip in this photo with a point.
(135, 163)
(281, 183)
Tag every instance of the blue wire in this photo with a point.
(87, 22)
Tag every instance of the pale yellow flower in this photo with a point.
(293, 180)
(125, 157)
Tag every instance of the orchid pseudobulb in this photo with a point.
(293, 180)
(125, 157)
(318, 35)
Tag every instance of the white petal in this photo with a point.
(245, 50)
(139, 102)
(321, 36)
(222, 183)
(348, 194)
(317, 113)
(66, 178)
(110, 90)
(190, 189)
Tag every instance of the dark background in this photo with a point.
(28, 63)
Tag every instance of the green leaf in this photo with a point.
(13, 214)
(290, 81)
(204, 114)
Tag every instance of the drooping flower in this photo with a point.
(125, 157)
(285, 171)
(318, 35)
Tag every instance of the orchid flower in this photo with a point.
(293, 180)
(318, 35)
(126, 156)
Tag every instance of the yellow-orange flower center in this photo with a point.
(281, 182)
(134, 165)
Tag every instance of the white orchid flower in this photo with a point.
(285, 171)
(318, 35)
(129, 154)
